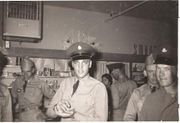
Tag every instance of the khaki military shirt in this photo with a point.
(35, 89)
(160, 106)
(90, 101)
(136, 102)
(5, 104)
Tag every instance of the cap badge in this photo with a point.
(79, 47)
(164, 50)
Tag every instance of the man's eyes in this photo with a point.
(85, 62)
(165, 69)
(75, 62)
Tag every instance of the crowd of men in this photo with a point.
(84, 98)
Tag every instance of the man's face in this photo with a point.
(164, 74)
(81, 67)
(151, 73)
(116, 73)
(26, 68)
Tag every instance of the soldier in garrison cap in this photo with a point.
(121, 90)
(163, 104)
(139, 94)
(80, 97)
(27, 92)
(5, 96)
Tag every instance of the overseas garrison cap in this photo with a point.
(27, 61)
(166, 56)
(149, 60)
(112, 66)
(80, 50)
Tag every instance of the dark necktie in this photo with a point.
(75, 86)
(24, 86)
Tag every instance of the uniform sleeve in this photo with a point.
(101, 107)
(7, 109)
(131, 110)
(58, 96)
(47, 91)
(115, 97)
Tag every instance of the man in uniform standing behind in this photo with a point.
(121, 90)
(28, 91)
(80, 97)
(139, 95)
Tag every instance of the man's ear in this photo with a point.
(90, 63)
(72, 64)
(145, 73)
(33, 69)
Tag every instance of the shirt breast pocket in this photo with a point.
(34, 94)
(85, 100)
(30, 92)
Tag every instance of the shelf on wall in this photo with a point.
(61, 54)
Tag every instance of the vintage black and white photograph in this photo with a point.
(89, 61)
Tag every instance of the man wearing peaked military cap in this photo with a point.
(80, 97)
(121, 90)
(164, 101)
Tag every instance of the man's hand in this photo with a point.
(63, 109)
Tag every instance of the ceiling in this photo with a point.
(154, 10)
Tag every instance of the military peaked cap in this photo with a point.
(80, 50)
(167, 57)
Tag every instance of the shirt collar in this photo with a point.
(153, 85)
(83, 80)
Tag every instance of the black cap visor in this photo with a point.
(165, 60)
(80, 56)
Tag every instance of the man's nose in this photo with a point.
(162, 73)
(80, 65)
